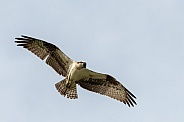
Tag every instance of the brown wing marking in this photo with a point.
(109, 87)
(44, 50)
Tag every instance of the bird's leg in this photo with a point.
(68, 84)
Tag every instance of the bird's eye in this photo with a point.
(84, 65)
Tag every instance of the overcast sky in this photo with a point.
(140, 43)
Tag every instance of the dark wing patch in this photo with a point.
(44, 50)
(109, 87)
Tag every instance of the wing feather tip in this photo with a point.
(25, 36)
(130, 93)
(131, 99)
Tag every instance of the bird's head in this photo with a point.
(81, 64)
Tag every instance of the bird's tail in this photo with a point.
(70, 92)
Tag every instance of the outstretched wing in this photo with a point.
(44, 50)
(107, 85)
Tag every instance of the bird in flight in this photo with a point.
(76, 72)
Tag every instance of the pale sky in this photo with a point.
(140, 43)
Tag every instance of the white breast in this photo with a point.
(75, 73)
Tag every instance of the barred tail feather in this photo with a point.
(65, 91)
(61, 87)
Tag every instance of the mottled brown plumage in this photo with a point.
(44, 50)
(76, 73)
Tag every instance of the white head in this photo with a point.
(81, 64)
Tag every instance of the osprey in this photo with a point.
(76, 73)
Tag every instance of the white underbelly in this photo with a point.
(75, 75)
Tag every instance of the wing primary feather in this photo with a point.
(130, 93)
(21, 45)
(124, 102)
(129, 97)
(28, 37)
(25, 41)
(130, 101)
(127, 103)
